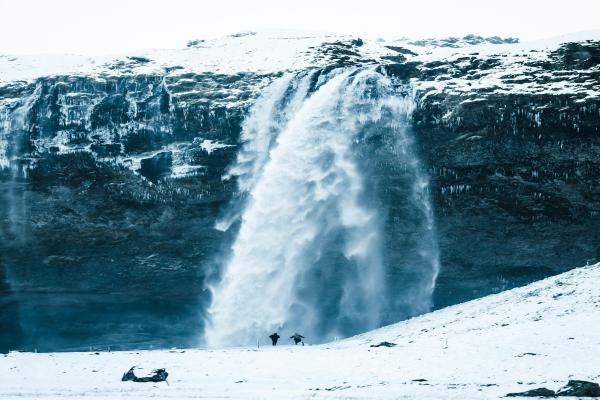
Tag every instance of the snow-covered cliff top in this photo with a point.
(266, 52)
(230, 72)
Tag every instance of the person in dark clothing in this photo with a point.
(297, 338)
(274, 338)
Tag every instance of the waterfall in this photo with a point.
(267, 118)
(14, 125)
(311, 251)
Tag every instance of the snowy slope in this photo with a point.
(539, 335)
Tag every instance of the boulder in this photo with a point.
(579, 389)
(158, 375)
(571, 389)
(540, 392)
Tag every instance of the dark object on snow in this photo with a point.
(572, 389)
(579, 389)
(541, 392)
(274, 338)
(158, 375)
(129, 375)
(297, 338)
(384, 344)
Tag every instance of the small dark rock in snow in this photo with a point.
(139, 60)
(384, 344)
(580, 389)
(401, 50)
(397, 58)
(158, 375)
(526, 354)
(195, 43)
(541, 392)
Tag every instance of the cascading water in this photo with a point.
(14, 219)
(267, 118)
(14, 125)
(313, 253)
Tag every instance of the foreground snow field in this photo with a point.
(540, 335)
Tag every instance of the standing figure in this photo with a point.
(274, 338)
(297, 338)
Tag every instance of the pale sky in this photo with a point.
(115, 26)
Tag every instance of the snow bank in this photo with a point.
(540, 335)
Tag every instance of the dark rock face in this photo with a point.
(576, 56)
(157, 167)
(107, 238)
(109, 201)
(515, 179)
(514, 196)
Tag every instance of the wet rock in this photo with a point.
(157, 166)
(112, 110)
(405, 70)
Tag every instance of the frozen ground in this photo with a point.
(539, 335)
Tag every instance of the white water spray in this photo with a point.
(308, 255)
(14, 123)
(268, 117)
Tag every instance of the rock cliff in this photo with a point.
(111, 173)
